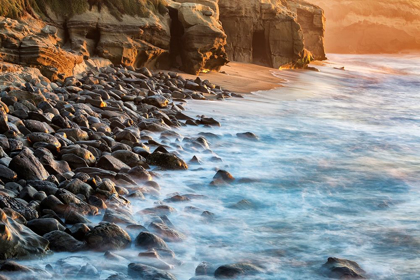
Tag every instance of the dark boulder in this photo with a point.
(108, 236)
(28, 167)
(61, 241)
(108, 162)
(7, 174)
(45, 225)
(167, 161)
(342, 269)
(18, 206)
(142, 271)
(17, 240)
(237, 270)
(157, 101)
(247, 136)
(148, 240)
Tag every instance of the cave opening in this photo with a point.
(94, 35)
(260, 50)
(177, 32)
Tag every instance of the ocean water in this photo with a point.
(336, 172)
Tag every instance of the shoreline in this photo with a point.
(242, 78)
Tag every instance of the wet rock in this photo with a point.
(107, 236)
(43, 186)
(4, 127)
(75, 133)
(157, 101)
(61, 241)
(167, 233)
(37, 137)
(222, 177)
(18, 206)
(149, 241)
(72, 217)
(11, 266)
(129, 158)
(167, 161)
(108, 162)
(209, 121)
(118, 216)
(28, 167)
(7, 174)
(159, 210)
(248, 136)
(243, 205)
(77, 186)
(17, 241)
(205, 268)
(342, 269)
(237, 270)
(88, 271)
(177, 198)
(141, 271)
(74, 203)
(45, 225)
(139, 173)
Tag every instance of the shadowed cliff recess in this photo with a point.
(191, 35)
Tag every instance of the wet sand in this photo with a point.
(242, 77)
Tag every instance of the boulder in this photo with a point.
(18, 206)
(108, 236)
(108, 162)
(157, 101)
(342, 269)
(148, 241)
(28, 167)
(142, 271)
(237, 270)
(167, 161)
(17, 241)
(44, 225)
(61, 241)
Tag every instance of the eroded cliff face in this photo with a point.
(311, 19)
(374, 26)
(57, 41)
(192, 35)
(272, 32)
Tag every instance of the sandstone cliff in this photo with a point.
(375, 26)
(192, 35)
(56, 38)
(272, 33)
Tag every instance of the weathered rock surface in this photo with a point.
(237, 270)
(108, 236)
(342, 269)
(270, 33)
(131, 34)
(18, 241)
(142, 271)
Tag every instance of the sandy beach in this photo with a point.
(242, 77)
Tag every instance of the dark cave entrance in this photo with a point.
(177, 33)
(260, 50)
(94, 35)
